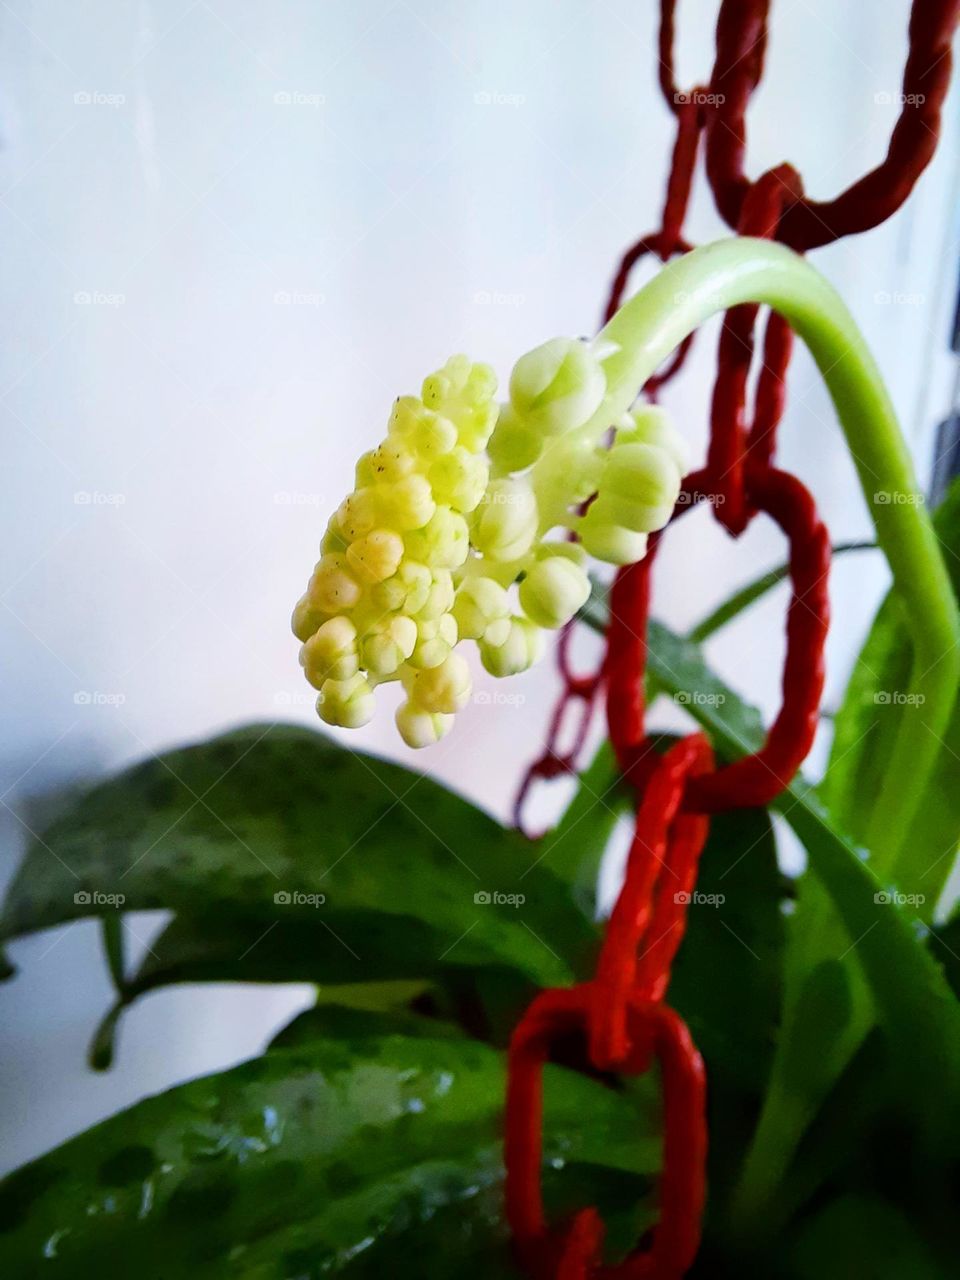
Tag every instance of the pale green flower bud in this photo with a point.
(333, 539)
(347, 703)
(435, 639)
(421, 728)
(506, 521)
(479, 602)
(331, 653)
(392, 460)
(443, 542)
(433, 435)
(408, 503)
(306, 619)
(406, 592)
(388, 645)
(608, 541)
(440, 597)
(404, 416)
(459, 479)
(558, 386)
(441, 690)
(553, 590)
(377, 556)
(520, 649)
(515, 444)
(651, 424)
(333, 589)
(639, 486)
(357, 513)
(364, 472)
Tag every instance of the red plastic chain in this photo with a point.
(621, 1013)
(626, 1026)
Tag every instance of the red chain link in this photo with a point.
(621, 1013)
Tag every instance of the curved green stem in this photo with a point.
(719, 276)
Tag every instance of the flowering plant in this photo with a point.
(367, 1137)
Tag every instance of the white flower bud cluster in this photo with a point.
(428, 550)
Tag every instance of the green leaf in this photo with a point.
(863, 1236)
(296, 1163)
(264, 822)
(866, 729)
(726, 978)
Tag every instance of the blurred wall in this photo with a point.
(233, 232)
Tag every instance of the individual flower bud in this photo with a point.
(608, 541)
(347, 703)
(333, 539)
(498, 631)
(519, 650)
(392, 460)
(506, 520)
(333, 589)
(357, 513)
(479, 602)
(459, 479)
(443, 542)
(406, 592)
(377, 556)
(553, 590)
(433, 435)
(639, 486)
(443, 689)
(388, 645)
(363, 472)
(435, 639)
(331, 653)
(651, 424)
(306, 619)
(515, 444)
(421, 728)
(408, 503)
(558, 386)
(475, 424)
(404, 416)
(440, 597)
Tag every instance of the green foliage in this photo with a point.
(298, 1162)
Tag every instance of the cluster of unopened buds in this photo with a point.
(459, 529)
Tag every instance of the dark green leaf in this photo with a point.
(296, 1163)
(263, 822)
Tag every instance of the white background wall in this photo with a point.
(444, 177)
